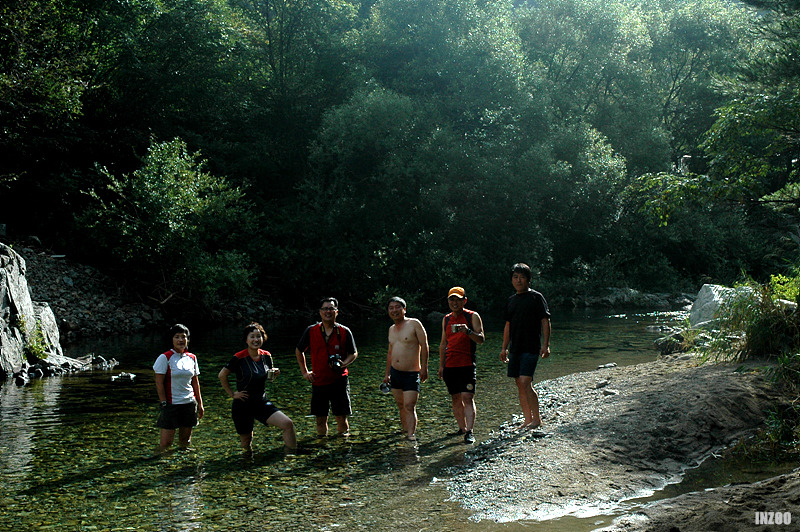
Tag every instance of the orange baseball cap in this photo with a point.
(456, 291)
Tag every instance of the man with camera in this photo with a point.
(332, 349)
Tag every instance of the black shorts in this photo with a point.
(178, 416)
(522, 364)
(245, 413)
(408, 381)
(336, 395)
(460, 380)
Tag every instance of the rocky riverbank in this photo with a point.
(88, 303)
(85, 301)
(621, 433)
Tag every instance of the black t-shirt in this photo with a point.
(251, 376)
(524, 312)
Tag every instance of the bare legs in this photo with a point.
(168, 437)
(464, 410)
(282, 421)
(342, 426)
(529, 401)
(407, 405)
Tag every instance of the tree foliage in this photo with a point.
(385, 145)
(173, 226)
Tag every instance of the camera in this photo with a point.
(335, 362)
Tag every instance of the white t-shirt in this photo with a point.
(178, 380)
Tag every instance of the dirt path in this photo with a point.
(611, 435)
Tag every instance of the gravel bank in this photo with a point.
(616, 434)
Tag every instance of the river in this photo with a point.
(77, 452)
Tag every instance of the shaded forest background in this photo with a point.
(202, 151)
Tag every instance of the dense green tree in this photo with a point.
(45, 70)
(641, 74)
(176, 229)
(390, 145)
(297, 63)
(755, 143)
(43, 73)
(694, 43)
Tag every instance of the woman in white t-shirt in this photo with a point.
(178, 390)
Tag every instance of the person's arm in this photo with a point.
(346, 361)
(198, 397)
(350, 345)
(223, 379)
(388, 363)
(545, 351)
(442, 349)
(476, 334)
(506, 340)
(162, 393)
(301, 361)
(424, 351)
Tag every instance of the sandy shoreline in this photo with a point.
(620, 433)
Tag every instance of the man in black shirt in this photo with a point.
(526, 338)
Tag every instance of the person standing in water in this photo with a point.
(178, 388)
(332, 350)
(406, 363)
(462, 331)
(253, 367)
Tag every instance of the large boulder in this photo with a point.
(709, 299)
(21, 318)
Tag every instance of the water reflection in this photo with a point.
(182, 509)
(81, 450)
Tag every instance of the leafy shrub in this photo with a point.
(167, 224)
(752, 325)
(785, 287)
(35, 345)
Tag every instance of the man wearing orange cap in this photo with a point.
(462, 331)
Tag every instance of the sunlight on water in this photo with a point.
(77, 452)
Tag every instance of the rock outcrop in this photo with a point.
(23, 322)
(709, 298)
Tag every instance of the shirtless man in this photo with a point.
(406, 363)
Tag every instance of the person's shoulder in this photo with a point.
(241, 354)
(190, 355)
(344, 327)
(264, 353)
(538, 296)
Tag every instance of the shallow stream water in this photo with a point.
(77, 452)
